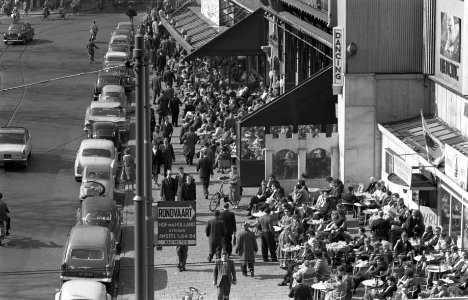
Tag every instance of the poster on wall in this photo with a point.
(450, 37)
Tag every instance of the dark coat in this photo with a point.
(167, 154)
(189, 139)
(246, 246)
(204, 167)
(156, 83)
(219, 271)
(155, 161)
(174, 105)
(167, 129)
(189, 192)
(168, 189)
(180, 179)
(163, 104)
(215, 231)
(300, 292)
(229, 219)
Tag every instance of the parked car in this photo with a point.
(107, 131)
(126, 25)
(117, 76)
(124, 31)
(94, 151)
(121, 48)
(89, 253)
(82, 289)
(115, 59)
(114, 93)
(19, 32)
(101, 211)
(98, 180)
(106, 112)
(120, 39)
(15, 145)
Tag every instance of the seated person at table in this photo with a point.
(374, 270)
(305, 270)
(312, 242)
(287, 218)
(431, 242)
(427, 235)
(453, 256)
(389, 289)
(349, 197)
(335, 223)
(323, 206)
(385, 199)
(262, 194)
(339, 288)
(443, 243)
(322, 269)
(359, 240)
(276, 194)
(403, 247)
(339, 235)
(378, 192)
(438, 291)
(298, 196)
(414, 224)
(393, 202)
(306, 213)
(407, 281)
(380, 225)
(365, 250)
(371, 187)
(458, 268)
(294, 265)
(337, 189)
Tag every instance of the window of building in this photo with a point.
(388, 162)
(465, 112)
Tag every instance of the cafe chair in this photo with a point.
(338, 296)
(381, 234)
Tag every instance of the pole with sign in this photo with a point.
(177, 223)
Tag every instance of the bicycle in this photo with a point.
(215, 201)
(190, 294)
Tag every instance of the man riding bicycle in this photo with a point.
(3, 214)
(91, 46)
(93, 30)
(46, 8)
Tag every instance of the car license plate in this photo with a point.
(7, 156)
(85, 274)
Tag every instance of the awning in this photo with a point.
(418, 182)
(307, 8)
(311, 102)
(245, 38)
(307, 28)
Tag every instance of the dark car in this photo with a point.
(114, 76)
(100, 211)
(19, 32)
(107, 131)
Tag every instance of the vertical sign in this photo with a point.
(456, 166)
(177, 224)
(339, 54)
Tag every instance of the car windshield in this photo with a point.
(98, 175)
(103, 132)
(116, 58)
(109, 80)
(16, 27)
(112, 94)
(118, 48)
(12, 138)
(96, 152)
(106, 111)
(98, 218)
(87, 254)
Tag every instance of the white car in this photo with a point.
(114, 93)
(93, 152)
(95, 177)
(15, 145)
(102, 111)
(82, 289)
(120, 39)
(126, 25)
(115, 59)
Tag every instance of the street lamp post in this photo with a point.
(139, 199)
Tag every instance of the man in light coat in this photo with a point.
(246, 247)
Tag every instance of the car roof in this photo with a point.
(124, 23)
(82, 289)
(116, 53)
(112, 88)
(97, 203)
(99, 143)
(86, 236)
(103, 104)
(119, 36)
(13, 130)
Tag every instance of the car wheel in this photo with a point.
(77, 179)
(25, 164)
(24, 41)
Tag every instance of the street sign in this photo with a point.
(177, 223)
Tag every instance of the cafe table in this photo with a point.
(438, 270)
(368, 212)
(319, 290)
(359, 265)
(258, 214)
(372, 284)
(429, 257)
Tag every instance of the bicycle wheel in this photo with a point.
(214, 202)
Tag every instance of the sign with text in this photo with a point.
(211, 10)
(456, 166)
(339, 54)
(402, 169)
(430, 216)
(177, 223)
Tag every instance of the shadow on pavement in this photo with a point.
(24, 242)
(40, 42)
(42, 163)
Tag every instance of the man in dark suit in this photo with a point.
(167, 154)
(381, 226)
(246, 247)
(267, 235)
(225, 268)
(189, 192)
(168, 187)
(229, 220)
(205, 170)
(180, 179)
(215, 231)
(300, 291)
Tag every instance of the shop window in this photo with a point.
(444, 209)
(285, 164)
(465, 112)
(464, 242)
(286, 130)
(388, 162)
(303, 130)
(455, 231)
(318, 164)
(428, 198)
(252, 143)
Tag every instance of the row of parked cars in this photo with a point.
(90, 252)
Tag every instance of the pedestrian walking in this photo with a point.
(215, 231)
(162, 107)
(229, 219)
(128, 174)
(167, 155)
(225, 269)
(182, 253)
(205, 171)
(167, 128)
(189, 192)
(189, 140)
(234, 186)
(131, 13)
(180, 179)
(168, 187)
(156, 161)
(174, 107)
(93, 30)
(246, 247)
(91, 49)
(267, 236)
(156, 86)
(168, 76)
